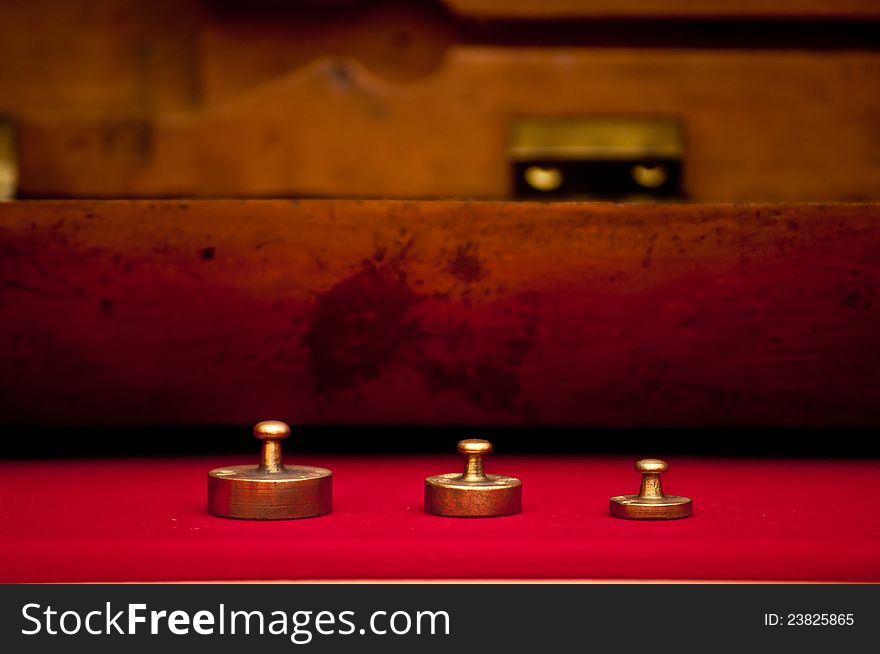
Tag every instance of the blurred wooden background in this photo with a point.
(779, 100)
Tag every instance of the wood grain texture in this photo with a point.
(438, 313)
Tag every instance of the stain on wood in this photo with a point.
(372, 312)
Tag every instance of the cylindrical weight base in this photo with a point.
(633, 507)
(248, 493)
(449, 495)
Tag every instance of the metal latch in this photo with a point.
(606, 158)
(8, 160)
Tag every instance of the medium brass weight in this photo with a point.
(270, 490)
(473, 493)
(650, 503)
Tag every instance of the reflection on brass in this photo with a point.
(473, 493)
(606, 138)
(270, 490)
(649, 176)
(543, 178)
(650, 503)
(8, 161)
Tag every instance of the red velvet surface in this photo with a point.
(145, 520)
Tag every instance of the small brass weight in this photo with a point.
(473, 493)
(270, 490)
(650, 503)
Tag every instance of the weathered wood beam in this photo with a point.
(127, 312)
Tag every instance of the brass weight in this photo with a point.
(473, 493)
(270, 490)
(650, 503)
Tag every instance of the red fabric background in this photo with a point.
(145, 520)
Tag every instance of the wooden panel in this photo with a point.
(778, 127)
(120, 98)
(97, 56)
(439, 312)
(667, 8)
